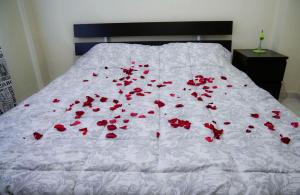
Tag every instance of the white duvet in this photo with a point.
(171, 119)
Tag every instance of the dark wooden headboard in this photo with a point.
(151, 29)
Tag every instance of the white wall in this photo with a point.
(15, 48)
(56, 18)
(286, 39)
(51, 23)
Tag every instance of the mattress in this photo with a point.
(133, 119)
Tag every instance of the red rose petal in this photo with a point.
(125, 121)
(191, 82)
(295, 124)
(159, 103)
(211, 106)
(251, 127)
(103, 99)
(255, 115)
(111, 127)
(26, 105)
(113, 121)
(285, 140)
(75, 123)
(55, 100)
(111, 135)
(194, 94)
(37, 135)
(157, 134)
(175, 123)
(227, 123)
(151, 112)
(209, 139)
(96, 109)
(217, 132)
(270, 126)
(223, 78)
(133, 114)
(84, 131)
(141, 116)
(248, 131)
(146, 71)
(102, 123)
(60, 127)
(179, 105)
(123, 127)
(95, 74)
(79, 114)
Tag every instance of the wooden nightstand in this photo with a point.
(266, 70)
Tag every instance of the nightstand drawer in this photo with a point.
(272, 88)
(266, 70)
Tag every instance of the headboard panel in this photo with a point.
(151, 29)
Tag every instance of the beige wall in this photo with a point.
(16, 52)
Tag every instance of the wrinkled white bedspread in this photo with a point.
(149, 155)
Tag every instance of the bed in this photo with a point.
(176, 118)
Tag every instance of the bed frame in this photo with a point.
(107, 30)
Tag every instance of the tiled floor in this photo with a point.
(293, 104)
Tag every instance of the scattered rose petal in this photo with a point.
(79, 114)
(96, 109)
(179, 105)
(133, 114)
(227, 123)
(103, 99)
(111, 135)
(255, 115)
(75, 123)
(37, 135)
(111, 127)
(95, 74)
(175, 123)
(26, 105)
(270, 126)
(209, 139)
(55, 100)
(285, 140)
(102, 123)
(123, 127)
(84, 131)
(217, 132)
(159, 103)
(157, 134)
(295, 124)
(113, 121)
(151, 112)
(223, 78)
(60, 127)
